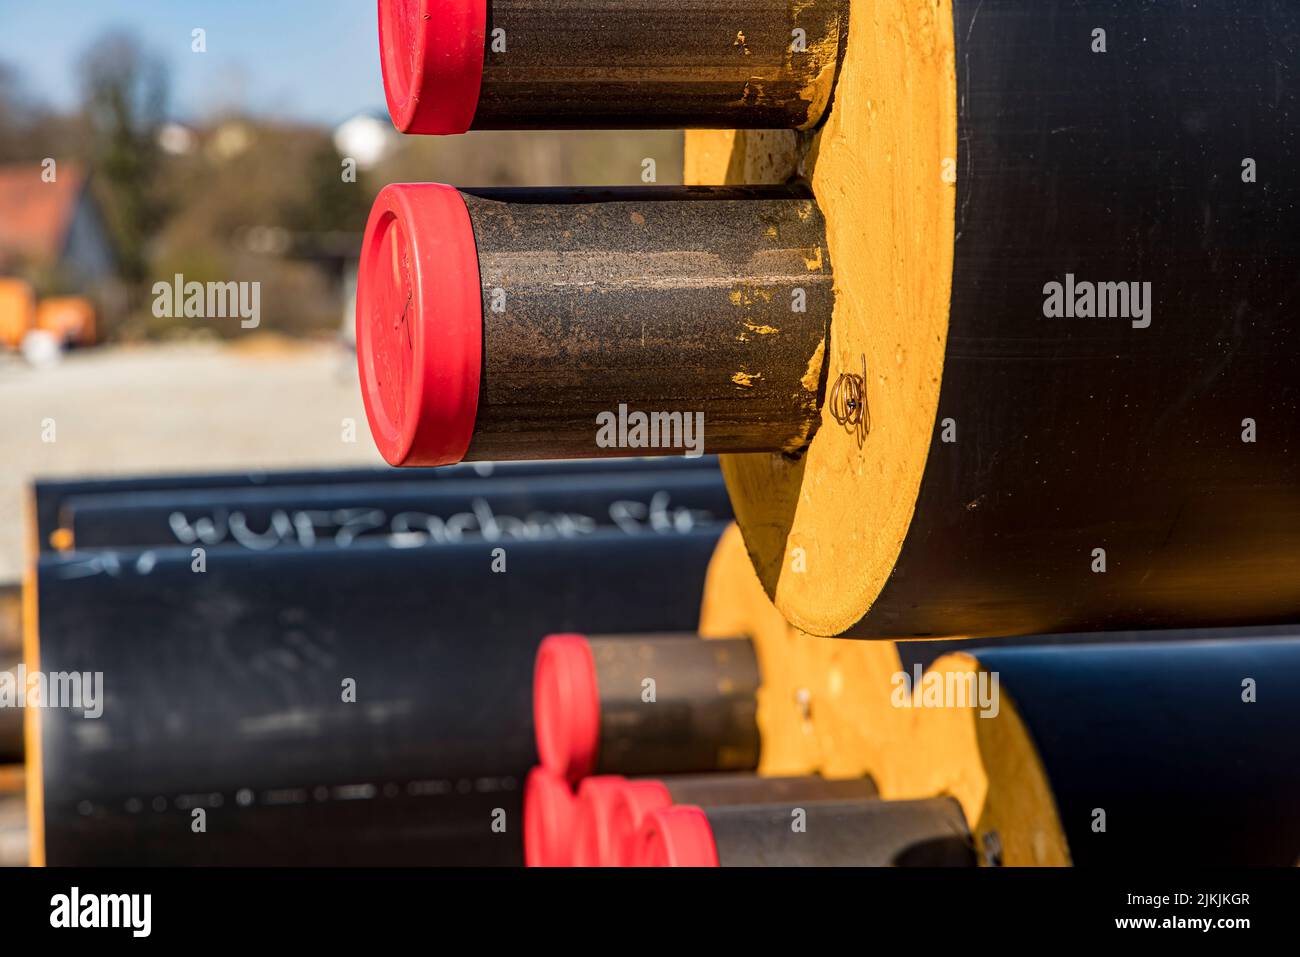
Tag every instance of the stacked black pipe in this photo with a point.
(364, 700)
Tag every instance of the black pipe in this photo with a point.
(53, 496)
(1137, 469)
(1182, 753)
(510, 324)
(610, 64)
(646, 704)
(406, 514)
(224, 690)
(924, 653)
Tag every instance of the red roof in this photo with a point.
(34, 214)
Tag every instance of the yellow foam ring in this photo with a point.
(718, 157)
(32, 716)
(995, 770)
(735, 604)
(829, 706)
(709, 158)
(825, 530)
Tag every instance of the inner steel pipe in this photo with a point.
(641, 797)
(663, 704)
(454, 65)
(557, 323)
(863, 833)
(12, 745)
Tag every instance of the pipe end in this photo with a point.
(637, 801)
(419, 324)
(566, 706)
(593, 844)
(550, 812)
(678, 836)
(431, 53)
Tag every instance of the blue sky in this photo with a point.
(312, 60)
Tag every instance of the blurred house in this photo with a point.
(53, 227)
(54, 241)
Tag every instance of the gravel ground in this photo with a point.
(263, 403)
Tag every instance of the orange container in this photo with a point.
(17, 311)
(70, 319)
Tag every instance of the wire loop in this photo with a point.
(848, 401)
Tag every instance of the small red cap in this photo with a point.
(419, 324)
(431, 52)
(592, 846)
(633, 804)
(677, 836)
(566, 706)
(550, 813)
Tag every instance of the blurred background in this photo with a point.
(242, 141)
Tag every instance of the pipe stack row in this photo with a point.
(997, 359)
(649, 749)
(559, 323)
(1058, 393)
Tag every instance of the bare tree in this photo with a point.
(125, 91)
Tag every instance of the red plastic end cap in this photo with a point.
(592, 846)
(550, 813)
(678, 836)
(419, 324)
(431, 52)
(566, 706)
(634, 804)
